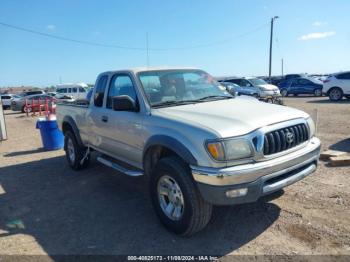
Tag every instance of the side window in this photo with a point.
(295, 83)
(304, 82)
(235, 81)
(62, 90)
(120, 85)
(344, 76)
(245, 83)
(74, 90)
(82, 90)
(100, 91)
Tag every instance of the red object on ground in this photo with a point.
(40, 106)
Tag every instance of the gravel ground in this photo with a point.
(46, 208)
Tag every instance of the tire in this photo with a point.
(335, 94)
(284, 92)
(194, 213)
(74, 152)
(318, 92)
(25, 109)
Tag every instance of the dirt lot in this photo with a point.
(46, 208)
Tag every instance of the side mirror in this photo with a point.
(124, 103)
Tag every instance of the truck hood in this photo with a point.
(232, 117)
(269, 87)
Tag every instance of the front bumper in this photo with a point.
(260, 178)
(273, 93)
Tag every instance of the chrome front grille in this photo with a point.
(285, 138)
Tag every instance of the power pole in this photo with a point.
(271, 36)
(282, 67)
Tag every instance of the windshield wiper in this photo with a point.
(172, 103)
(211, 97)
(186, 102)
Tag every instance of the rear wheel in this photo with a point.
(75, 154)
(335, 94)
(318, 92)
(176, 199)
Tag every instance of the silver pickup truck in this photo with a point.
(198, 145)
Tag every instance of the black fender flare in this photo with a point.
(70, 121)
(172, 144)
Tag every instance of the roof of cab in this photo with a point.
(146, 69)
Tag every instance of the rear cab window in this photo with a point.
(100, 90)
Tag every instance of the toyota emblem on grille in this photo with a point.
(289, 137)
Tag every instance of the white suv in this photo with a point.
(6, 100)
(337, 85)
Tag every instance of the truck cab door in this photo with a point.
(121, 131)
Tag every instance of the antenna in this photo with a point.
(147, 50)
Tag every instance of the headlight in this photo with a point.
(312, 127)
(263, 88)
(230, 149)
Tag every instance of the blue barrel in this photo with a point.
(51, 136)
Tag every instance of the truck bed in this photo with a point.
(77, 111)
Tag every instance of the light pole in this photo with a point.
(271, 35)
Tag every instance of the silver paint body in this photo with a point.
(125, 134)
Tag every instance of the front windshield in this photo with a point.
(180, 86)
(257, 81)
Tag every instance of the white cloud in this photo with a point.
(319, 35)
(51, 27)
(319, 23)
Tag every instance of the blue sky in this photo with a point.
(311, 36)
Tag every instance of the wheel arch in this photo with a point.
(68, 123)
(160, 146)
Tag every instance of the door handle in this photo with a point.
(104, 118)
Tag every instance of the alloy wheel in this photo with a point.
(170, 197)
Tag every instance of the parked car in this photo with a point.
(256, 86)
(301, 86)
(198, 145)
(63, 98)
(235, 89)
(19, 104)
(292, 76)
(29, 93)
(53, 94)
(275, 80)
(337, 85)
(77, 91)
(6, 101)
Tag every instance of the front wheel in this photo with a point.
(335, 94)
(176, 199)
(318, 92)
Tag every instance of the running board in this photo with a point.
(119, 167)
